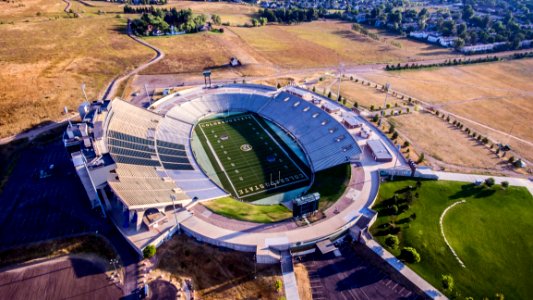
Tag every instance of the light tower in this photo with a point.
(207, 78)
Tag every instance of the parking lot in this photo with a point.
(61, 278)
(35, 208)
(351, 277)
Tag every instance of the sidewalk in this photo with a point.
(289, 279)
(427, 288)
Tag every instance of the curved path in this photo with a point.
(111, 88)
(67, 8)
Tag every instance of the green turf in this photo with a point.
(331, 184)
(249, 174)
(234, 209)
(491, 233)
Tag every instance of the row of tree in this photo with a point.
(291, 15)
(448, 62)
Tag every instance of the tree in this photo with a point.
(149, 251)
(490, 181)
(216, 19)
(375, 119)
(447, 282)
(458, 44)
(505, 184)
(499, 296)
(392, 128)
(355, 104)
(314, 89)
(420, 158)
(394, 135)
(279, 86)
(410, 255)
(392, 241)
(372, 107)
(329, 94)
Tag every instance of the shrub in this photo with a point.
(355, 104)
(511, 159)
(406, 144)
(489, 181)
(375, 118)
(505, 184)
(392, 241)
(278, 285)
(420, 158)
(412, 216)
(329, 94)
(372, 107)
(279, 85)
(447, 282)
(410, 255)
(149, 251)
(314, 89)
(394, 135)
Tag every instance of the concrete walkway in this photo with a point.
(423, 285)
(515, 181)
(289, 279)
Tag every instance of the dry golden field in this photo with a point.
(45, 61)
(234, 13)
(442, 141)
(302, 279)
(497, 95)
(364, 95)
(218, 274)
(327, 43)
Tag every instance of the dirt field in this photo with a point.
(327, 43)
(498, 95)
(218, 273)
(62, 278)
(44, 62)
(302, 278)
(434, 137)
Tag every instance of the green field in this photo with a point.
(243, 211)
(490, 233)
(248, 158)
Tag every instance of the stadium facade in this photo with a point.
(139, 165)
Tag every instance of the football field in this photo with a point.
(247, 157)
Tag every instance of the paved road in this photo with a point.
(351, 277)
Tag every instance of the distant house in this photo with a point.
(419, 34)
(481, 47)
(433, 38)
(351, 122)
(447, 41)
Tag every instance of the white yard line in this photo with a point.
(218, 160)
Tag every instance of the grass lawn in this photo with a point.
(489, 234)
(234, 209)
(331, 183)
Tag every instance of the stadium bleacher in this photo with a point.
(156, 146)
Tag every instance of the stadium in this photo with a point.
(149, 168)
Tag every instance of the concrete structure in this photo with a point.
(379, 151)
